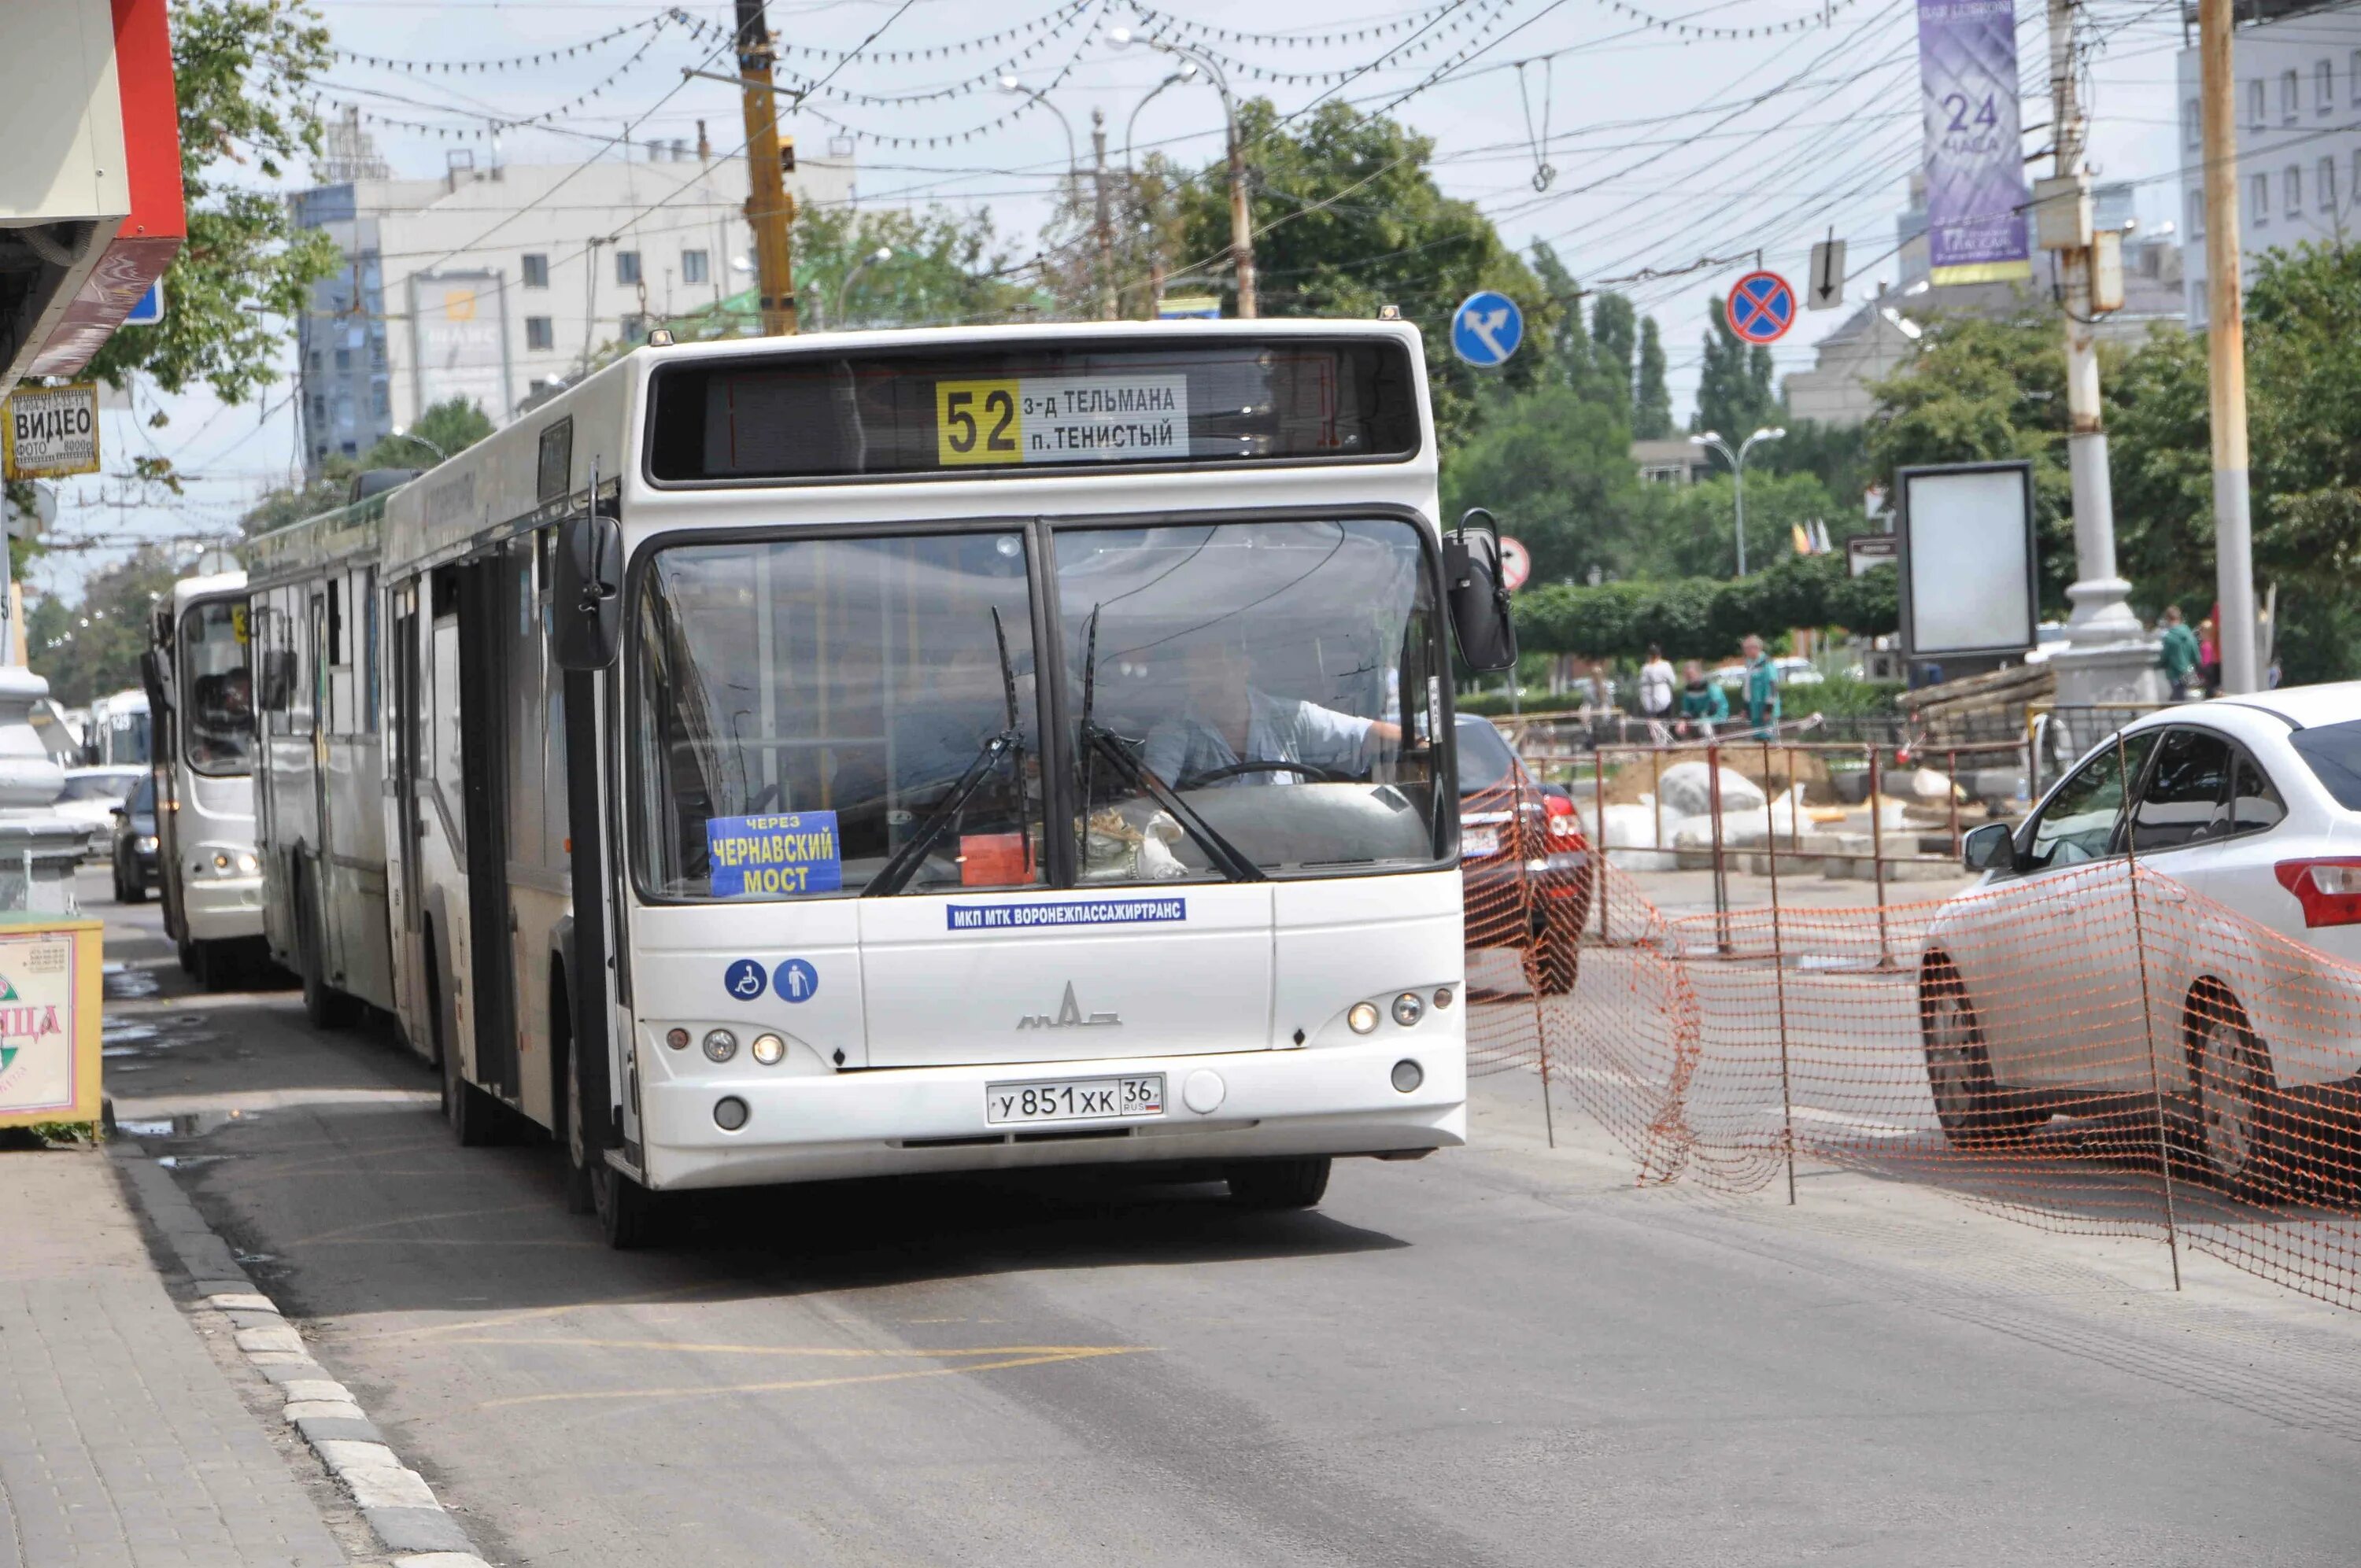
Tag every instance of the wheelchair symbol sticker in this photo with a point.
(743, 980)
(796, 981)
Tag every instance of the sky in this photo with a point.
(1675, 147)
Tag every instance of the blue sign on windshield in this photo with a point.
(795, 853)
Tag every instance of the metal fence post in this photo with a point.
(1599, 849)
(1779, 961)
(1877, 854)
(1953, 774)
(1720, 875)
(2147, 1017)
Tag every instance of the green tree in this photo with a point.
(1735, 393)
(1348, 218)
(444, 430)
(1651, 403)
(1982, 389)
(91, 649)
(946, 268)
(284, 504)
(1690, 531)
(1555, 468)
(243, 72)
(1614, 328)
(1572, 356)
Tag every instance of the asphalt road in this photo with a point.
(1505, 1355)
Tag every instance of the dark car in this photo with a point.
(1525, 863)
(135, 843)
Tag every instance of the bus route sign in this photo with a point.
(795, 853)
(1060, 419)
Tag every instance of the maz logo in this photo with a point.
(1070, 1016)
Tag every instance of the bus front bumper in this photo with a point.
(221, 909)
(1335, 1099)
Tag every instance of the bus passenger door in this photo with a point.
(483, 751)
(401, 842)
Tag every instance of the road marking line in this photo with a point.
(1075, 1354)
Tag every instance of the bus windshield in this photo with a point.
(216, 691)
(816, 717)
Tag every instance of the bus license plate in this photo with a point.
(1075, 1100)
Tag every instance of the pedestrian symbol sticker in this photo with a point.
(743, 980)
(1486, 328)
(796, 981)
(1761, 307)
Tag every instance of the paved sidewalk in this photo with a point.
(122, 1441)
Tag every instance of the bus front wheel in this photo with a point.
(630, 1216)
(1297, 1183)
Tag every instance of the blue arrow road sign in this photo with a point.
(150, 307)
(1486, 329)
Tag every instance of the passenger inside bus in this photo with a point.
(1233, 733)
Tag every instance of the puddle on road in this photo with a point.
(188, 1124)
(120, 982)
(190, 1161)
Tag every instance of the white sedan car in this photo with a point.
(2054, 986)
(89, 798)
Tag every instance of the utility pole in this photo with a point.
(2108, 657)
(1104, 226)
(1241, 219)
(2226, 348)
(770, 210)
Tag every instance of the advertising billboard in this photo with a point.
(1969, 565)
(1975, 158)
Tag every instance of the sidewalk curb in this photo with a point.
(400, 1508)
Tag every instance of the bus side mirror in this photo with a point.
(276, 670)
(586, 629)
(1480, 604)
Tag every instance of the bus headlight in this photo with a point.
(1409, 1009)
(248, 866)
(1362, 1018)
(720, 1044)
(769, 1049)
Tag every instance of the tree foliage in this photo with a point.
(1736, 396)
(1348, 218)
(91, 649)
(1704, 618)
(242, 71)
(1651, 400)
(948, 268)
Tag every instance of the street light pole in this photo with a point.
(882, 254)
(1737, 461)
(1242, 256)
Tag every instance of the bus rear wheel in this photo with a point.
(469, 1109)
(1293, 1183)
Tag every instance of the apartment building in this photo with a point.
(2298, 70)
(492, 283)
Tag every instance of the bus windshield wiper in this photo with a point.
(1097, 740)
(897, 872)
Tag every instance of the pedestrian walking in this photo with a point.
(2178, 653)
(1656, 684)
(1762, 687)
(1702, 704)
(2208, 658)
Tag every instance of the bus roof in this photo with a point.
(316, 544)
(189, 590)
(543, 464)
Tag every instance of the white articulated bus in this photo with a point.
(319, 812)
(940, 750)
(201, 698)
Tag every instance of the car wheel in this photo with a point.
(467, 1108)
(1974, 1108)
(323, 1006)
(580, 1173)
(186, 951)
(630, 1216)
(1553, 957)
(1297, 1183)
(2235, 1093)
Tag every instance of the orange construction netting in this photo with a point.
(2100, 1049)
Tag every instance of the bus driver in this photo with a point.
(1220, 731)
